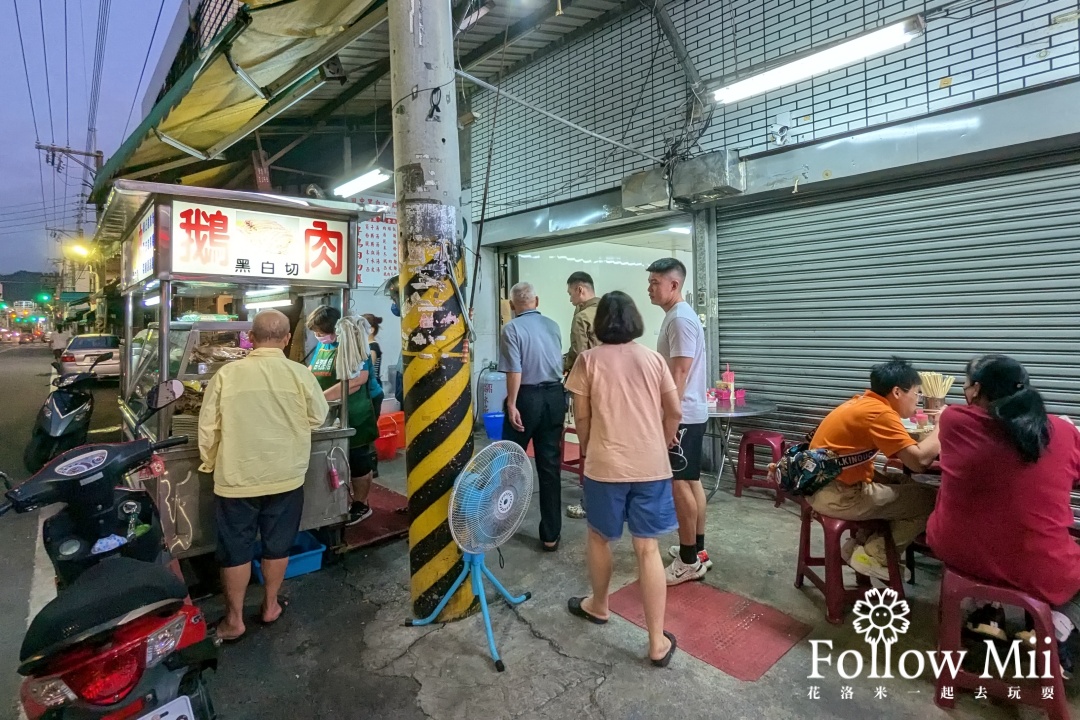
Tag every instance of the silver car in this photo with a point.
(83, 350)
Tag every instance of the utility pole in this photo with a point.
(438, 399)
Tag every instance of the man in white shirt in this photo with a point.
(682, 343)
(60, 340)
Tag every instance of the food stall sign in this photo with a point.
(139, 258)
(224, 241)
(377, 241)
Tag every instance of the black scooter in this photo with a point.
(64, 420)
(122, 638)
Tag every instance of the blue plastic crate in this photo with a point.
(305, 556)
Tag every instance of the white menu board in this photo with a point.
(213, 240)
(139, 258)
(377, 242)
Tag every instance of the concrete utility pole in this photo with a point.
(438, 399)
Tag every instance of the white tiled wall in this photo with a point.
(603, 83)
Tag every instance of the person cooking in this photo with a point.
(342, 354)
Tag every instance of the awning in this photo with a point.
(74, 298)
(265, 60)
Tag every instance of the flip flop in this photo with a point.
(664, 661)
(574, 606)
(284, 603)
(224, 640)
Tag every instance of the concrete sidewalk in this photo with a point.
(342, 651)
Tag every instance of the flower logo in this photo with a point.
(881, 616)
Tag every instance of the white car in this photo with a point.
(83, 350)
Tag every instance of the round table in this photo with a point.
(718, 429)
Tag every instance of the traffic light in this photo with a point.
(44, 297)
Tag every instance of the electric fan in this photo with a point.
(488, 503)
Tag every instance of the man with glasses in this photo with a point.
(872, 421)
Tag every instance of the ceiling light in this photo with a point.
(271, 290)
(842, 54)
(680, 230)
(267, 304)
(362, 183)
(152, 301)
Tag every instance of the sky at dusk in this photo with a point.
(24, 242)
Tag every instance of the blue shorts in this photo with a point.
(646, 507)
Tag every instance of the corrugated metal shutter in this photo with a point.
(811, 298)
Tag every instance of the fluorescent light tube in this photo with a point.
(362, 183)
(272, 290)
(680, 230)
(826, 60)
(152, 301)
(267, 304)
(469, 20)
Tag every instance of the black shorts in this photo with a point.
(274, 518)
(686, 465)
(362, 460)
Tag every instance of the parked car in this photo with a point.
(84, 349)
(25, 338)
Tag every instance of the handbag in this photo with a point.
(803, 471)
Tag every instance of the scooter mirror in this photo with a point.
(103, 357)
(164, 394)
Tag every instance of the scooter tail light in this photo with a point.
(110, 679)
(164, 641)
(50, 692)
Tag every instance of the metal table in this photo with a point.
(718, 429)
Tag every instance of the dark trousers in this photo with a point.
(542, 412)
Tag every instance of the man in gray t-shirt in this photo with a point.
(530, 353)
(682, 343)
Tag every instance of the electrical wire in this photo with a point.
(48, 88)
(146, 61)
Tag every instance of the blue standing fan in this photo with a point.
(488, 503)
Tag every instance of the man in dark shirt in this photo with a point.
(530, 353)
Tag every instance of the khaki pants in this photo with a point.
(893, 497)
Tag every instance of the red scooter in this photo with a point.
(122, 639)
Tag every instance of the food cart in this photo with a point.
(196, 266)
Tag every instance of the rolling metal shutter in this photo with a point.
(811, 297)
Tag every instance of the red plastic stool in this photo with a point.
(954, 588)
(570, 456)
(747, 474)
(837, 595)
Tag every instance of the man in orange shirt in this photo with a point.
(872, 421)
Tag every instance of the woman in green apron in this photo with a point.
(342, 352)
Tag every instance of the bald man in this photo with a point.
(255, 437)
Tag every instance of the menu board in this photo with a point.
(377, 241)
(213, 240)
(139, 253)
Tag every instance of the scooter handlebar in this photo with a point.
(171, 442)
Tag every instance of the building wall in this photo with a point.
(624, 82)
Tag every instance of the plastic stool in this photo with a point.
(570, 456)
(747, 474)
(837, 595)
(954, 588)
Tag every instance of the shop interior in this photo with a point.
(615, 263)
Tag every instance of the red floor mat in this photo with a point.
(385, 522)
(737, 636)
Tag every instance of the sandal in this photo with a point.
(664, 661)
(224, 640)
(574, 606)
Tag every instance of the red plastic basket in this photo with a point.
(386, 445)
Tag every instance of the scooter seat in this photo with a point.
(100, 598)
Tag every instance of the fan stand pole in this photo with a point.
(475, 566)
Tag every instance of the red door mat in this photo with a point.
(740, 637)
(389, 519)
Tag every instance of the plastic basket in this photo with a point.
(386, 445)
(493, 425)
(305, 556)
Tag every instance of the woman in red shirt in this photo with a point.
(1003, 513)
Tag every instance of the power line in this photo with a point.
(95, 90)
(26, 72)
(142, 72)
(5, 208)
(48, 89)
(67, 86)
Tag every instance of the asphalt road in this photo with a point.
(24, 384)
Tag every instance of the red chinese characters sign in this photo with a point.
(377, 242)
(211, 240)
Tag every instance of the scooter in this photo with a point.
(64, 420)
(122, 640)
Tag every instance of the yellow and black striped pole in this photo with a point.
(437, 395)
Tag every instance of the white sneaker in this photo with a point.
(679, 572)
(863, 564)
(703, 556)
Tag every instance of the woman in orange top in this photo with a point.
(627, 412)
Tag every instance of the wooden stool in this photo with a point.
(954, 588)
(747, 474)
(837, 596)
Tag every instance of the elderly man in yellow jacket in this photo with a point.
(255, 437)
